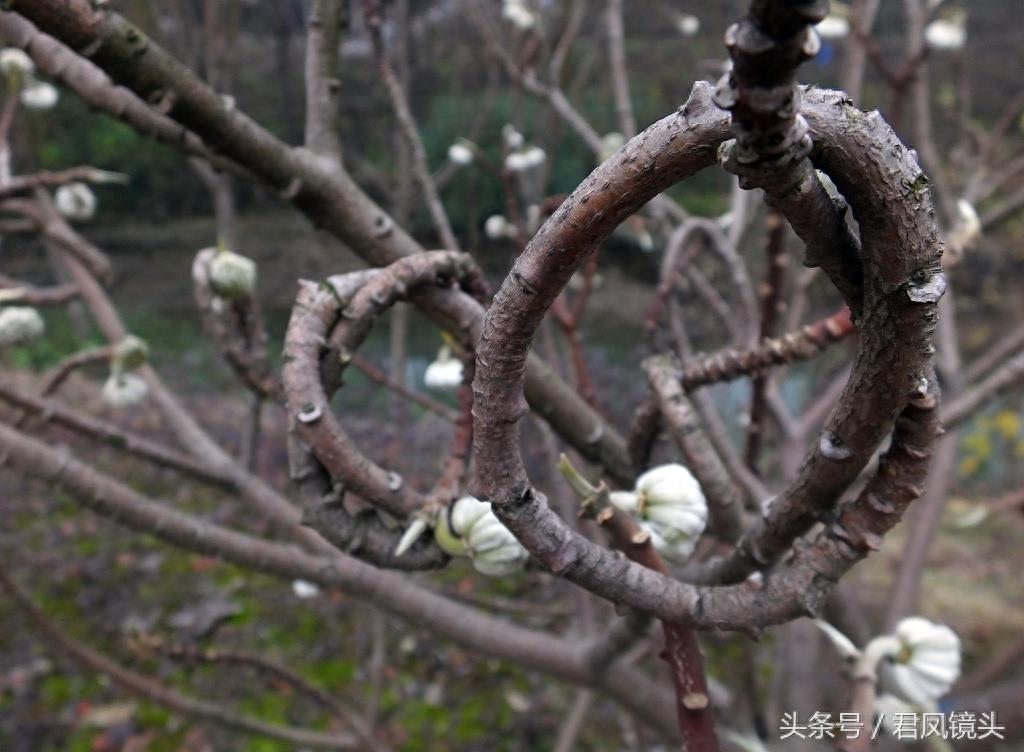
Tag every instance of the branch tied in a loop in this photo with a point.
(899, 264)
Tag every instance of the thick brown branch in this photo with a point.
(392, 592)
(903, 281)
(317, 187)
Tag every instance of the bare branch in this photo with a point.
(151, 689)
(323, 86)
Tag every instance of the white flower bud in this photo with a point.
(536, 156)
(833, 26)
(232, 275)
(124, 390)
(76, 201)
(926, 664)
(516, 13)
(460, 154)
(39, 95)
(130, 353)
(688, 25)
(670, 506)
(305, 590)
(445, 373)
(611, 143)
(20, 324)
(513, 139)
(967, 230)
(948, 34)
(517, 161)
(14, 62)
(472, 529)
(497, 227)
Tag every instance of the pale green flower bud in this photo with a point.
(232, 275)
(472, 529)
(130, 353)
(669, 504)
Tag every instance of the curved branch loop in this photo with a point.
(902, 283)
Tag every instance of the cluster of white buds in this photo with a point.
(519, 14)
(611, 143)
(232, 275)
(917, 663)
(76, 201)
(20, 324)
(948, 33)
(496, 227)
(124, 388)
(19, 70)
(688, 24)
(529, 158)
(444, 373)
(470, 528)
(669, 505)
(460, 153)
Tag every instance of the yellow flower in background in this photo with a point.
(969, 465)
(978, 444)
(1007, 423)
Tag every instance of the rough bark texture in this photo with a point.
(313, 184)
(902, 282)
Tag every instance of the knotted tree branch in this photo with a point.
(903, 281)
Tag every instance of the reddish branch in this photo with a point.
(377, 375)
(772, 305)
(682, 649)
(730, 364)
